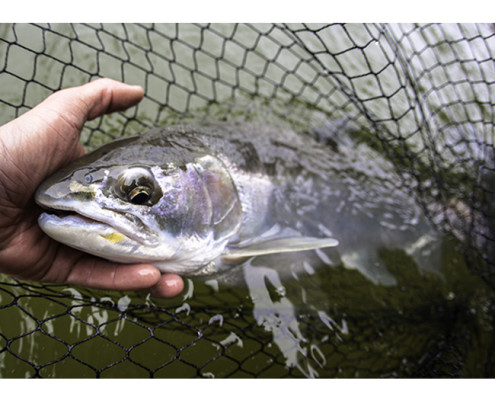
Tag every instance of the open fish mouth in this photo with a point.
(105, 223)
(90, 236)
(79, 222)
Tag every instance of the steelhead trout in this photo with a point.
(196, 200)
(182, 198)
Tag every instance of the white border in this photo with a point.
(247, 11)
(247, 389)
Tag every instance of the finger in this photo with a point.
(82, 103)
(102, 96)
(100, 274)
(105, 96)
(170, 285)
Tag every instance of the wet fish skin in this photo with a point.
(182, 198)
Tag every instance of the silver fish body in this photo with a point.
(188, 199)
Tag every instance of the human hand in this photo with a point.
(32, 147)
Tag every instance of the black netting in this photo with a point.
(421, 95)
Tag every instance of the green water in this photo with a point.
(324, 322)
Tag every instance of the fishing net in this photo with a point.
(421, 95)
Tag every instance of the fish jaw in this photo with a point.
(100, 239)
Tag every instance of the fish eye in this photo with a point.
(136, 185)
(139, 195)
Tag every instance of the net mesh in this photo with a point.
(423, 93)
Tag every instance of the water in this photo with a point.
(429, 315)
(327, 323)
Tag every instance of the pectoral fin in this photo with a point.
(277, 245)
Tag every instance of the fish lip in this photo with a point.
(61, 212)
(72, 216)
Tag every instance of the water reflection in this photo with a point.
(326, 322)
(276, 314)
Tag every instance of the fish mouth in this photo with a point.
(108, 222)
(75, 221)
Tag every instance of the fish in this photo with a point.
(189, 199)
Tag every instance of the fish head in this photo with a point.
(136, 202)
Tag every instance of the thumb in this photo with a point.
(83, 103)
(100, 97)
